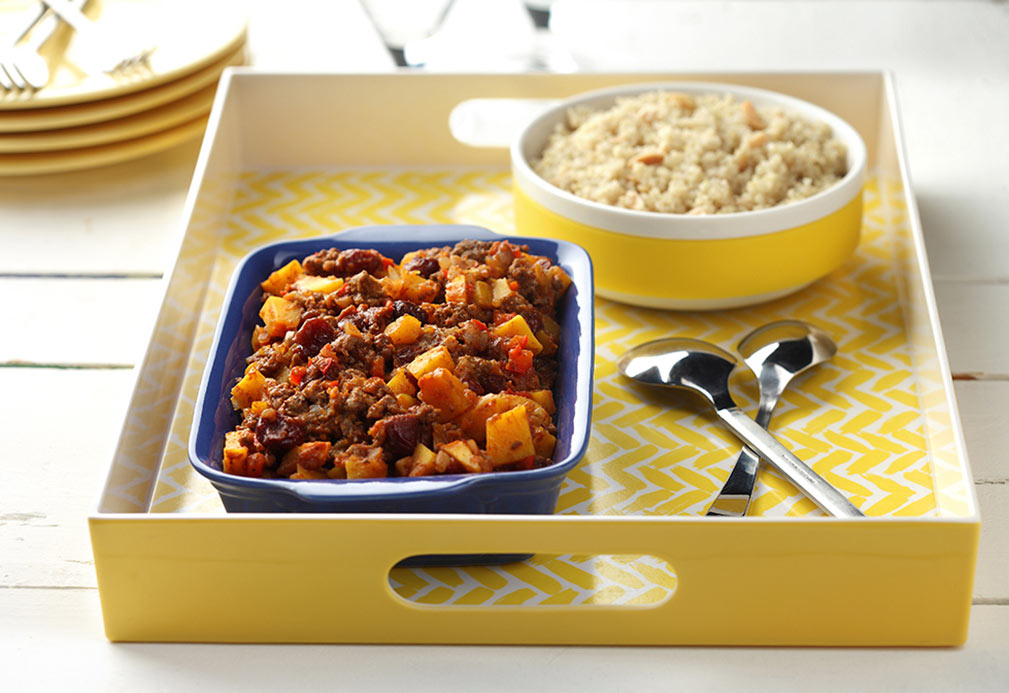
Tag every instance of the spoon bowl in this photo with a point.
(789, 345)
(688, 364)
(703, 368)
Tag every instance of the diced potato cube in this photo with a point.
(548, 342)
(249, 389)
(403, 466)
(279, 316)
(351, 329)
(501, 291)
(322, 285)
(279, 280)
(456, 290)
(303, 473)
(370, 467)
(422, 454)
(544, 398)
(235, 453)
(544, 442)
(509, 438)
(405, 329)
(406, 401)
(258, 407)
(312, 455)
(471, 461)
(437, 357)
(423, 467)
(483, 295)
(445, 392)
(473, 422)
(561, 279)
(518, 327)
(400, 383)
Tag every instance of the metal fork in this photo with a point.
(110, 58)
(21, 66)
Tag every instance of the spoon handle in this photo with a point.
(828, 498)
(734, 498)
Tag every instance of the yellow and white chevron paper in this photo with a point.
(859, 420)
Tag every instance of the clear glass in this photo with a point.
(406, 23)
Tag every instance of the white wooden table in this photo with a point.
(81, 255)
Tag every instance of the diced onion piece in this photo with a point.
(501, 290)
(456, 290)
(418, 289)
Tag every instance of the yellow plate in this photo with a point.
(100, 155)
(116, 130)
(107, 109)
(189, 35)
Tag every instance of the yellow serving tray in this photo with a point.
(629, 557)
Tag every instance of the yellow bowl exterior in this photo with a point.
(681, 273)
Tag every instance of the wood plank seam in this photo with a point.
(68, 366)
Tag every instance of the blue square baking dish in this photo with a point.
(532, 491)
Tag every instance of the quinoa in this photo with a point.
(682, 154)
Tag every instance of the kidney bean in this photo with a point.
(401, 308)
(355, 260)
(401, 433)
(425, 266)
(314, 334)
(282, 433)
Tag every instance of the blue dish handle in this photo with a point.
(433, 234)
(383, 489)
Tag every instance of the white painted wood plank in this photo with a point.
(991, 582)
(60, 430)
(77, 321)
(974, 325)
(53, 640)
(983, 408)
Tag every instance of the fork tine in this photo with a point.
(13, 77)
(5, 81)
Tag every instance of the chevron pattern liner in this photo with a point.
(859, 420)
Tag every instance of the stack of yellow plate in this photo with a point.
(82, 119)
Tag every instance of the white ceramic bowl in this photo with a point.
(695, 262)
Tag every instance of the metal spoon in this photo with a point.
(704, 368)
(775, 353)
